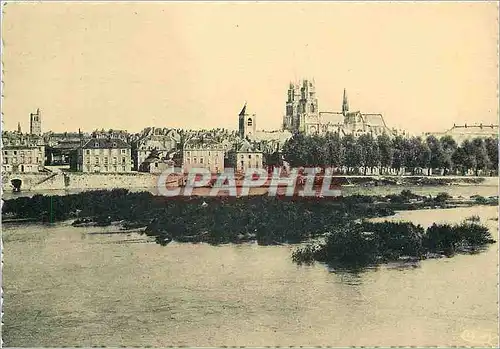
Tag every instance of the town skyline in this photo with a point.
(129, 70)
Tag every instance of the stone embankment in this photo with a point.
(90, 181)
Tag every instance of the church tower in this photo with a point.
(302, 108)
(247, 123)
(345, 104)
(36, 123)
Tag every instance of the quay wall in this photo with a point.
(137, 180)
(61, 181)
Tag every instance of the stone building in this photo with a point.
(203, 153)
(36, 123)
(108, 155)
(22, 153)
(247, 123)
(247, 156)
(248, 131)
(154, 139)
(156, 162)
(464, 132)
(59, 147)
(303, 115)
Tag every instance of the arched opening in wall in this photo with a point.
(16, 184)
(312, 108)
(249, 122)
(22, 168)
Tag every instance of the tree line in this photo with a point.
(384, 155)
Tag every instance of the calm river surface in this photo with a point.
(64, 286)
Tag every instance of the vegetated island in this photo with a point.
(361, 244)
(267, 220)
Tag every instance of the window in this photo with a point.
(106, 160)
(123, 168)
(188, 160)
(249, 156)
(5, 160)
(242, 156)
(87, 151)
(114, 145)
(201, 160)
(96, 144)
(123, 160)
(88, 160)
(249, 122)
(106, 168)
(156, 164)
(15, 152)
(5, 152)
(194, 160)
(124, 151)
(188, 153)
(29, 160)
(97, 160)
(114, 160)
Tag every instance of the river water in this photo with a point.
(66, 286)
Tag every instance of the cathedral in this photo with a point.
(302, 115)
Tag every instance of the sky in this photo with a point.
(424, 66)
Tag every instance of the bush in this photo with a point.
(442, 197)
(474, 218)
(363, 244)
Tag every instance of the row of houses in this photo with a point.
(152, 152)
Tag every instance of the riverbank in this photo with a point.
(60, 182)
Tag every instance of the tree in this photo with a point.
(352, 152)
(424, 155)
(449, 147)
(437, 153)
(491, 145)
(295, 150)
(459, 160)
(334, 149)
(369, 154)
(469, 156)
(398, 146)
(482, 160)
(386, 151)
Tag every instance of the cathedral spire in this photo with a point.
(345, 103)
(19, 127)
(243, 111)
